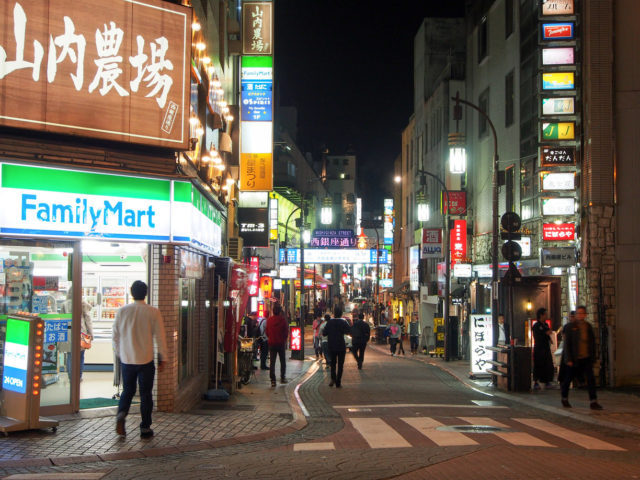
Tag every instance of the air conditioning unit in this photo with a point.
(235, 248)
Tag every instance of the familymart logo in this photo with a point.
(104, 213)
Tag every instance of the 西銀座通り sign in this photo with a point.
(116, 70)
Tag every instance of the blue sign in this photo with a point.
(256, 99)
(56, 331)
(14, 379)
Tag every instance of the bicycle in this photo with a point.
(245, 359)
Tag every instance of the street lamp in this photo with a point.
(326, 212)
(457, 116)
(423, 207)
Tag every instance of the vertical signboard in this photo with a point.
(256, 126)
(414, 265)
(480, 337)
(257, 28)
(431, 243)
(458, 241)
(388, 221)
(16, 356)
(254, 270)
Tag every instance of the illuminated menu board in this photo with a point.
(16, 356)
(558, 106)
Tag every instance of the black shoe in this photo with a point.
(120, 422)
(264, 368)
(284, 380)
(565, 403)
(331, 383)
(359, 366)
(595, 406)
(273, 383)
(338, 385)
(146, 433)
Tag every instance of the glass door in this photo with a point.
(188, 345)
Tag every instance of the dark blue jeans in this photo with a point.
(581, 366)
(143, 375)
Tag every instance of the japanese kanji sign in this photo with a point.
(257, 28)
(557, 156)
(333, 239)
(431, 243)
(458, 241)
(558, 231)
(457, 202)
(116, 70)
(480, 337)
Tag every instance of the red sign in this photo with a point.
(558, 231)
(266, 284)
(458, 242)
(254, 268)
(261, 312)
(296, 339)
(557, 31)
(457, 202)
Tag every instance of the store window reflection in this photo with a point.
(34, 278)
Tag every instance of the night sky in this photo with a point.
(347, 65)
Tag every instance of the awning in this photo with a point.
(402, 288)
(308, 273)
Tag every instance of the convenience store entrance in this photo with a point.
(108, 270)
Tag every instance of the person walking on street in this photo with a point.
(542, 359)
(336, 328)
(414, 334)
(277, 333)
(317, 338)
(324, 340)
(402, 336)
(579, 355)
(135, 327)
(263, 343)
(360, 334)
(395, 332)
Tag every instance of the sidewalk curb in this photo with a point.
(299, 422)
(530, 403)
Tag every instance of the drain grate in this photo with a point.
(472, 429)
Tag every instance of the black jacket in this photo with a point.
(360, 332)
(335, 330)
(571, 345)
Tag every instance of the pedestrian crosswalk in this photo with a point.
(405, 432)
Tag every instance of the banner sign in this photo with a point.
(431, 243)
(558, 257)
(558, 206)
(557, 181)
(296, 339)
(388, 221)
(559, 106)
(254, 226)
(458, 241)
(257, 28)
(253, 271)
(558, 56)
(256, 126)
(559, 131)
(342, 255)
(333, 239)
(117, 70)
(557, 7)
(414, 265)
(58, 203)
(557, 156)
(457, 202)
(288, 271)
(462, 270)
(557, 31)
(558, 81)
(16, 356)
(558, 231)
(480, 337)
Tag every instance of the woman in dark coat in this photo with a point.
(542, 360)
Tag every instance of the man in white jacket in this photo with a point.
(135, 327)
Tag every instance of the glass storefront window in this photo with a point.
(35, 278)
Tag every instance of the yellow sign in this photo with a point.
(558, 81)
(559, 131)
(256, 172)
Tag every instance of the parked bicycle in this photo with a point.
(245, 359)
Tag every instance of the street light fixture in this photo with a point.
(423, 207)
(457, 153)
(326, 212)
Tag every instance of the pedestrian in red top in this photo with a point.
(277, 333)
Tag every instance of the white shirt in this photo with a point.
(134, 329)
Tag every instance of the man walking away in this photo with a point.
(414, 334)
(579, 355)
(277, 333)
(360, 334)
(134, 329)
(335, 330)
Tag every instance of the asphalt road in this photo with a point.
(404, 419)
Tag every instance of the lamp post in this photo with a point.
(447, 259)
(377, 290)
(457, 113)
(299, 356)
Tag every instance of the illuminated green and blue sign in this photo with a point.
(16, 356)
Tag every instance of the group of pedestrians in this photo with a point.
(578, 355)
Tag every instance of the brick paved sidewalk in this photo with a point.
(255, 412)
(621, 408)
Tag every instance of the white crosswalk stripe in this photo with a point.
(378, 434)
(585, 441)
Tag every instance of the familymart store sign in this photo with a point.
(57, 203)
